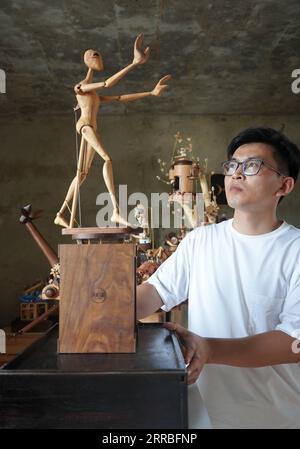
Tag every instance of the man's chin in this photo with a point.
(234, 200)
(236, 203)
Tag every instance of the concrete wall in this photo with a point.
(38, 162)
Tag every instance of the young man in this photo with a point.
(242, 280)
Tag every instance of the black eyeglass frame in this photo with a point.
(243, 164)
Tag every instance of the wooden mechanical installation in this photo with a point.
(50, 291)
(97, 286)
(183, 174)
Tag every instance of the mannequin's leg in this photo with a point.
(87, 164)
(80, 166)
(94, 140)
(87, 161)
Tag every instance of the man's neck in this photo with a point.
(255, 223)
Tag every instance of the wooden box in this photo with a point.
(98, 304)
(41, 389)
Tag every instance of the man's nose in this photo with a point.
(239, 173)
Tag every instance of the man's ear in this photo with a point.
(286, 187)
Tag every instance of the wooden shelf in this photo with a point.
(16, 344)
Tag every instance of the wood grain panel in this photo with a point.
(97, 306)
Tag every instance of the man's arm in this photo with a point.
(268, 348)
(148, 300)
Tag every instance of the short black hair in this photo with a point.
(285, 152)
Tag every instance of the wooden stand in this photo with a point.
(41, 389)
(97, 306)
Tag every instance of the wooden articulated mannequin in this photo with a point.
(89, 102)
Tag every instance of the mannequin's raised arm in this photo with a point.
(118, 76)
(157, 91)
(140, 56)
(124, 98)
(83, 88)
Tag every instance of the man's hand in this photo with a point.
(160, 86)
(196, 350)
(255, 351)
(140, 56)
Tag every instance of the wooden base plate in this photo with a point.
(100, 233)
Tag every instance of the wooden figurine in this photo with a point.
(91, 142)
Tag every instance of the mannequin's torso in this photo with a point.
(89, 104)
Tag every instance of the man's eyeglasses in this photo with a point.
(250, 167)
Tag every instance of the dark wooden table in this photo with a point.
(41, 389)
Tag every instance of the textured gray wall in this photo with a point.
(224, 55)
(38, 162)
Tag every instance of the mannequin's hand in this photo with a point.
(161, 86)
(140, 56)
(196, 350)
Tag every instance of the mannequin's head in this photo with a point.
(93, 60)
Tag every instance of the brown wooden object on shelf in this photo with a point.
(27, 215)
(97, 306)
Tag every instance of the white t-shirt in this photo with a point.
(240, 285)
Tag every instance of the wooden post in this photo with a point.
(26, 218)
